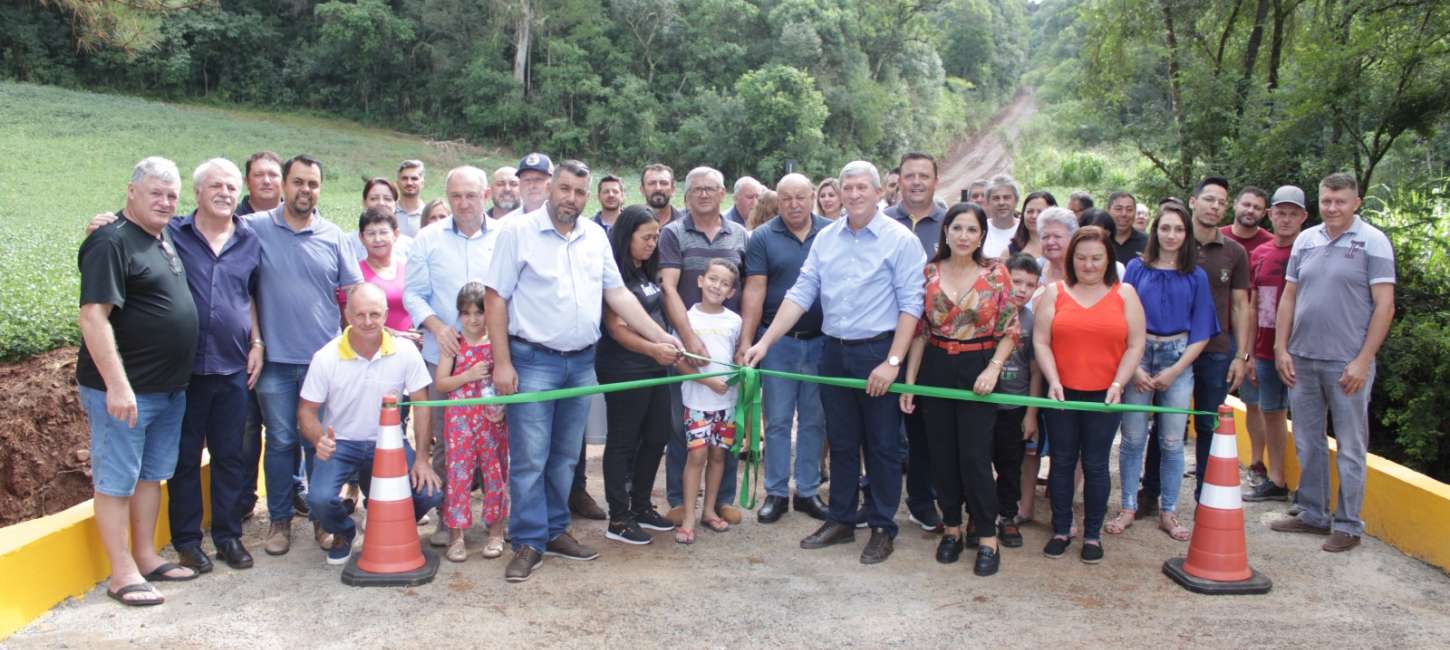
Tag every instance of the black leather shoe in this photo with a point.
(949, 549)
(812, 507)
(1010, 533)
(829, 534)
(192, 557)
(234, 554)
(878, 548)
(773, 509)
(988, 561)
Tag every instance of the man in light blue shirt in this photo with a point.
(441, 261)
(866, 270)
(550, 276)
(305, 259)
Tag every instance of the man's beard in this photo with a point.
(659, 200)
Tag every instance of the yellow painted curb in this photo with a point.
(1402, 507)
(47, 560)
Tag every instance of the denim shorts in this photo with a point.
(1248, 392)
(121, 455)
(1273, 394)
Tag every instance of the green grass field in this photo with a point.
(66, 155)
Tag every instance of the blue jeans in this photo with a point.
(278, 391)
(1316, 397)
(544, 440)
(858, 424)
(212, 405)
(1082, 435)
(1170, 427)
(251, 453)
(122, 454)
(675, 459)
(1210, 387)
(786, 401)
(353, 458)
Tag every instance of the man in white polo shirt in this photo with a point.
(349, 376)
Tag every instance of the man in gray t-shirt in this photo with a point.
(1338, 301)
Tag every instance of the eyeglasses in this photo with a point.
(702, 191)
(171, 259)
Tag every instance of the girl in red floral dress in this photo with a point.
(477, 435)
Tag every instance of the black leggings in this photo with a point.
(639, 427)
(959, 436)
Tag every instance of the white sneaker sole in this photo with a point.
(624, 540)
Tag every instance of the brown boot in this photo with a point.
(279, 538)
(1340, 542)
(324, 538)
(583, 505)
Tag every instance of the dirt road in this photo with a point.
(987, 152)
(754, 587)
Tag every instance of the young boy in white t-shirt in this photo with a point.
(710, 403)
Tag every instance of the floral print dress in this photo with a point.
(475, 442)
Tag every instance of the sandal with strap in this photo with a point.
(1120, 523)
(684, 535)
(1168, 523)
(457, 551)
(493, 548)
(716, 525)
(119, 595)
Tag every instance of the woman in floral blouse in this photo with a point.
(969, 327)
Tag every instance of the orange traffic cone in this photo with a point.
(1218, 559)
(391, 555)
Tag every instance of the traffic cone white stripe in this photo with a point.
(393, 488)
(390, 436)
(1224, 446)
(1221, 497)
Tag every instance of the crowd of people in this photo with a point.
(253, 318)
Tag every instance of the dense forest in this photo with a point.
(744, 84)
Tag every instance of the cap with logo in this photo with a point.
(537, 162)
(1288, 194)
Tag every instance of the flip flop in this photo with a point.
(716, 525)
(119, 595)
(158, 574)
(684, 536)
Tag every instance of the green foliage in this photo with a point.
(628, 81)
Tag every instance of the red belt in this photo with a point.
(953, 346)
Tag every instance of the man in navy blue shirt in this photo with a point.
(773, 260)
(221, 254)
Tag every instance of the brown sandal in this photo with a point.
(1120, 523)
(1168, 523)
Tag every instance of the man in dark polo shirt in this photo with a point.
(138, 327)
(746, 192)
(611, 200)
(221, 255)
(263, 176)
(1223, 364)
(686, 248)
(773, 259)
(922, 217)
(1128, 242)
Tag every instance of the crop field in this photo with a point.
(66, 155)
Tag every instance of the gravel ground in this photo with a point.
(754, 587)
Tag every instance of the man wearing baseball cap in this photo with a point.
(1266, 285)
(534, 173)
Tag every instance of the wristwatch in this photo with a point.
(1245, 357)
(893, 361)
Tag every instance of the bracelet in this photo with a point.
(1118, 384)
(257, 343)
(995, 362)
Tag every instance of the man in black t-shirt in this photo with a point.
(139, 325)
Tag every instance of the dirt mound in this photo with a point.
(44, 438)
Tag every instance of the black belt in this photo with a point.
(1168, 333)
(800, 335)
(562, 353)
(874, 339)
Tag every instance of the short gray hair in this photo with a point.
(1060, 216)
(861, 168)
(158, 168)
(412, 164)
(218, 164)
(476, 174)
(1003, 180)
(708, 172)
(741, 182)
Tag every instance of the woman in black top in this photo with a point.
(639, 420)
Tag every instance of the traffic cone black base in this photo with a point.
(352, 576)
(1258, 583)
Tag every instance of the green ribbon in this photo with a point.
(748, 412)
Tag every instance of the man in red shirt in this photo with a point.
(1268, 415)
(1249, 209)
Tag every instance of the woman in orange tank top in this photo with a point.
(1089, 338)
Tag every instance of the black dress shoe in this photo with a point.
(192, 557)
(1010, 533)
(234, 554)
(988, 561)
(773, 509)
(812, 507)
(949, 549)
(829, 534)
(878, 548)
